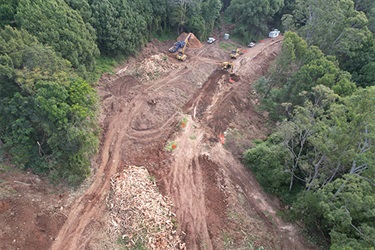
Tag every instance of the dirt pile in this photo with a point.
(193, 40)
(140, 215)
(150, 68)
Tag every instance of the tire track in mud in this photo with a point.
(190, 176)
(87, 207)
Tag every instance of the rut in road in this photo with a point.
(198, 181)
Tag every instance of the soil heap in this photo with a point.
(193, 41)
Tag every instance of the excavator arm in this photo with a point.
(181, 55)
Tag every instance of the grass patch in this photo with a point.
(192, 137)
(227, 46)
(137, 243)
(249, 245)
(171, 146)
(103, 65)
(151, 178)
(183, 122)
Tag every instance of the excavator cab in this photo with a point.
(228, 66)
(235, 53)
(181, 56)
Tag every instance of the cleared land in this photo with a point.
(154, 102)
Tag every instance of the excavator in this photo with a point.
(235, 53)
(181, 56)
(228, 66)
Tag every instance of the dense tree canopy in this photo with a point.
(339, 28)
(54, 23)
(47, 113)
(299, 68)
(252, 17)
(7, 12)
(321, 157)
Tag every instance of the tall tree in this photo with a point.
(326, 152)
(7, 12)
(54, 23)
(334, 26)
(119, 27)
(47, 113)
(298, 69)
(252, 17)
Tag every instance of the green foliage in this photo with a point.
(227, 46)
(54, 23)
(338, 28)
(297, 70)
(252, 17)
(268, 163)
(47, 116)
(194, 16)
(172, 145)
(164, 35)
(344, 209)
(103, 65)
(119, 27)
(360, 64)
(326, 152)
(7, 12)
(83, 7)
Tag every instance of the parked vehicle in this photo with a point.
(251, 44)
(274, 33)
(211, 40)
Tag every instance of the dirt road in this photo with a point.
(218, 203)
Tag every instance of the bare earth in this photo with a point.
(217, 201)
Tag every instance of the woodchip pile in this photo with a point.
(140, 215)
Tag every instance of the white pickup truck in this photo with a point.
(211, 40)
(274, 33)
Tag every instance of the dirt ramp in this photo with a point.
(193, 41)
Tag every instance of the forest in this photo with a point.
(319, 94)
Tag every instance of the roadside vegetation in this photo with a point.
(52, 53)
(320, 94)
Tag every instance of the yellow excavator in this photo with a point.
(228, 66)
(235, 53)
(181, 56)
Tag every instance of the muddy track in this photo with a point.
(139, 120)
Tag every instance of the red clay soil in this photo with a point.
(31, 210)
(217, 201)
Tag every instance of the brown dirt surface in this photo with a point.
(193, 40)
(172, 118)
(31, 210)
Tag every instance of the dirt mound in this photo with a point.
(193, 41)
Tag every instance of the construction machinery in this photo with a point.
(176, 46)
(235, 53)
(181, 56)
(228, 66)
